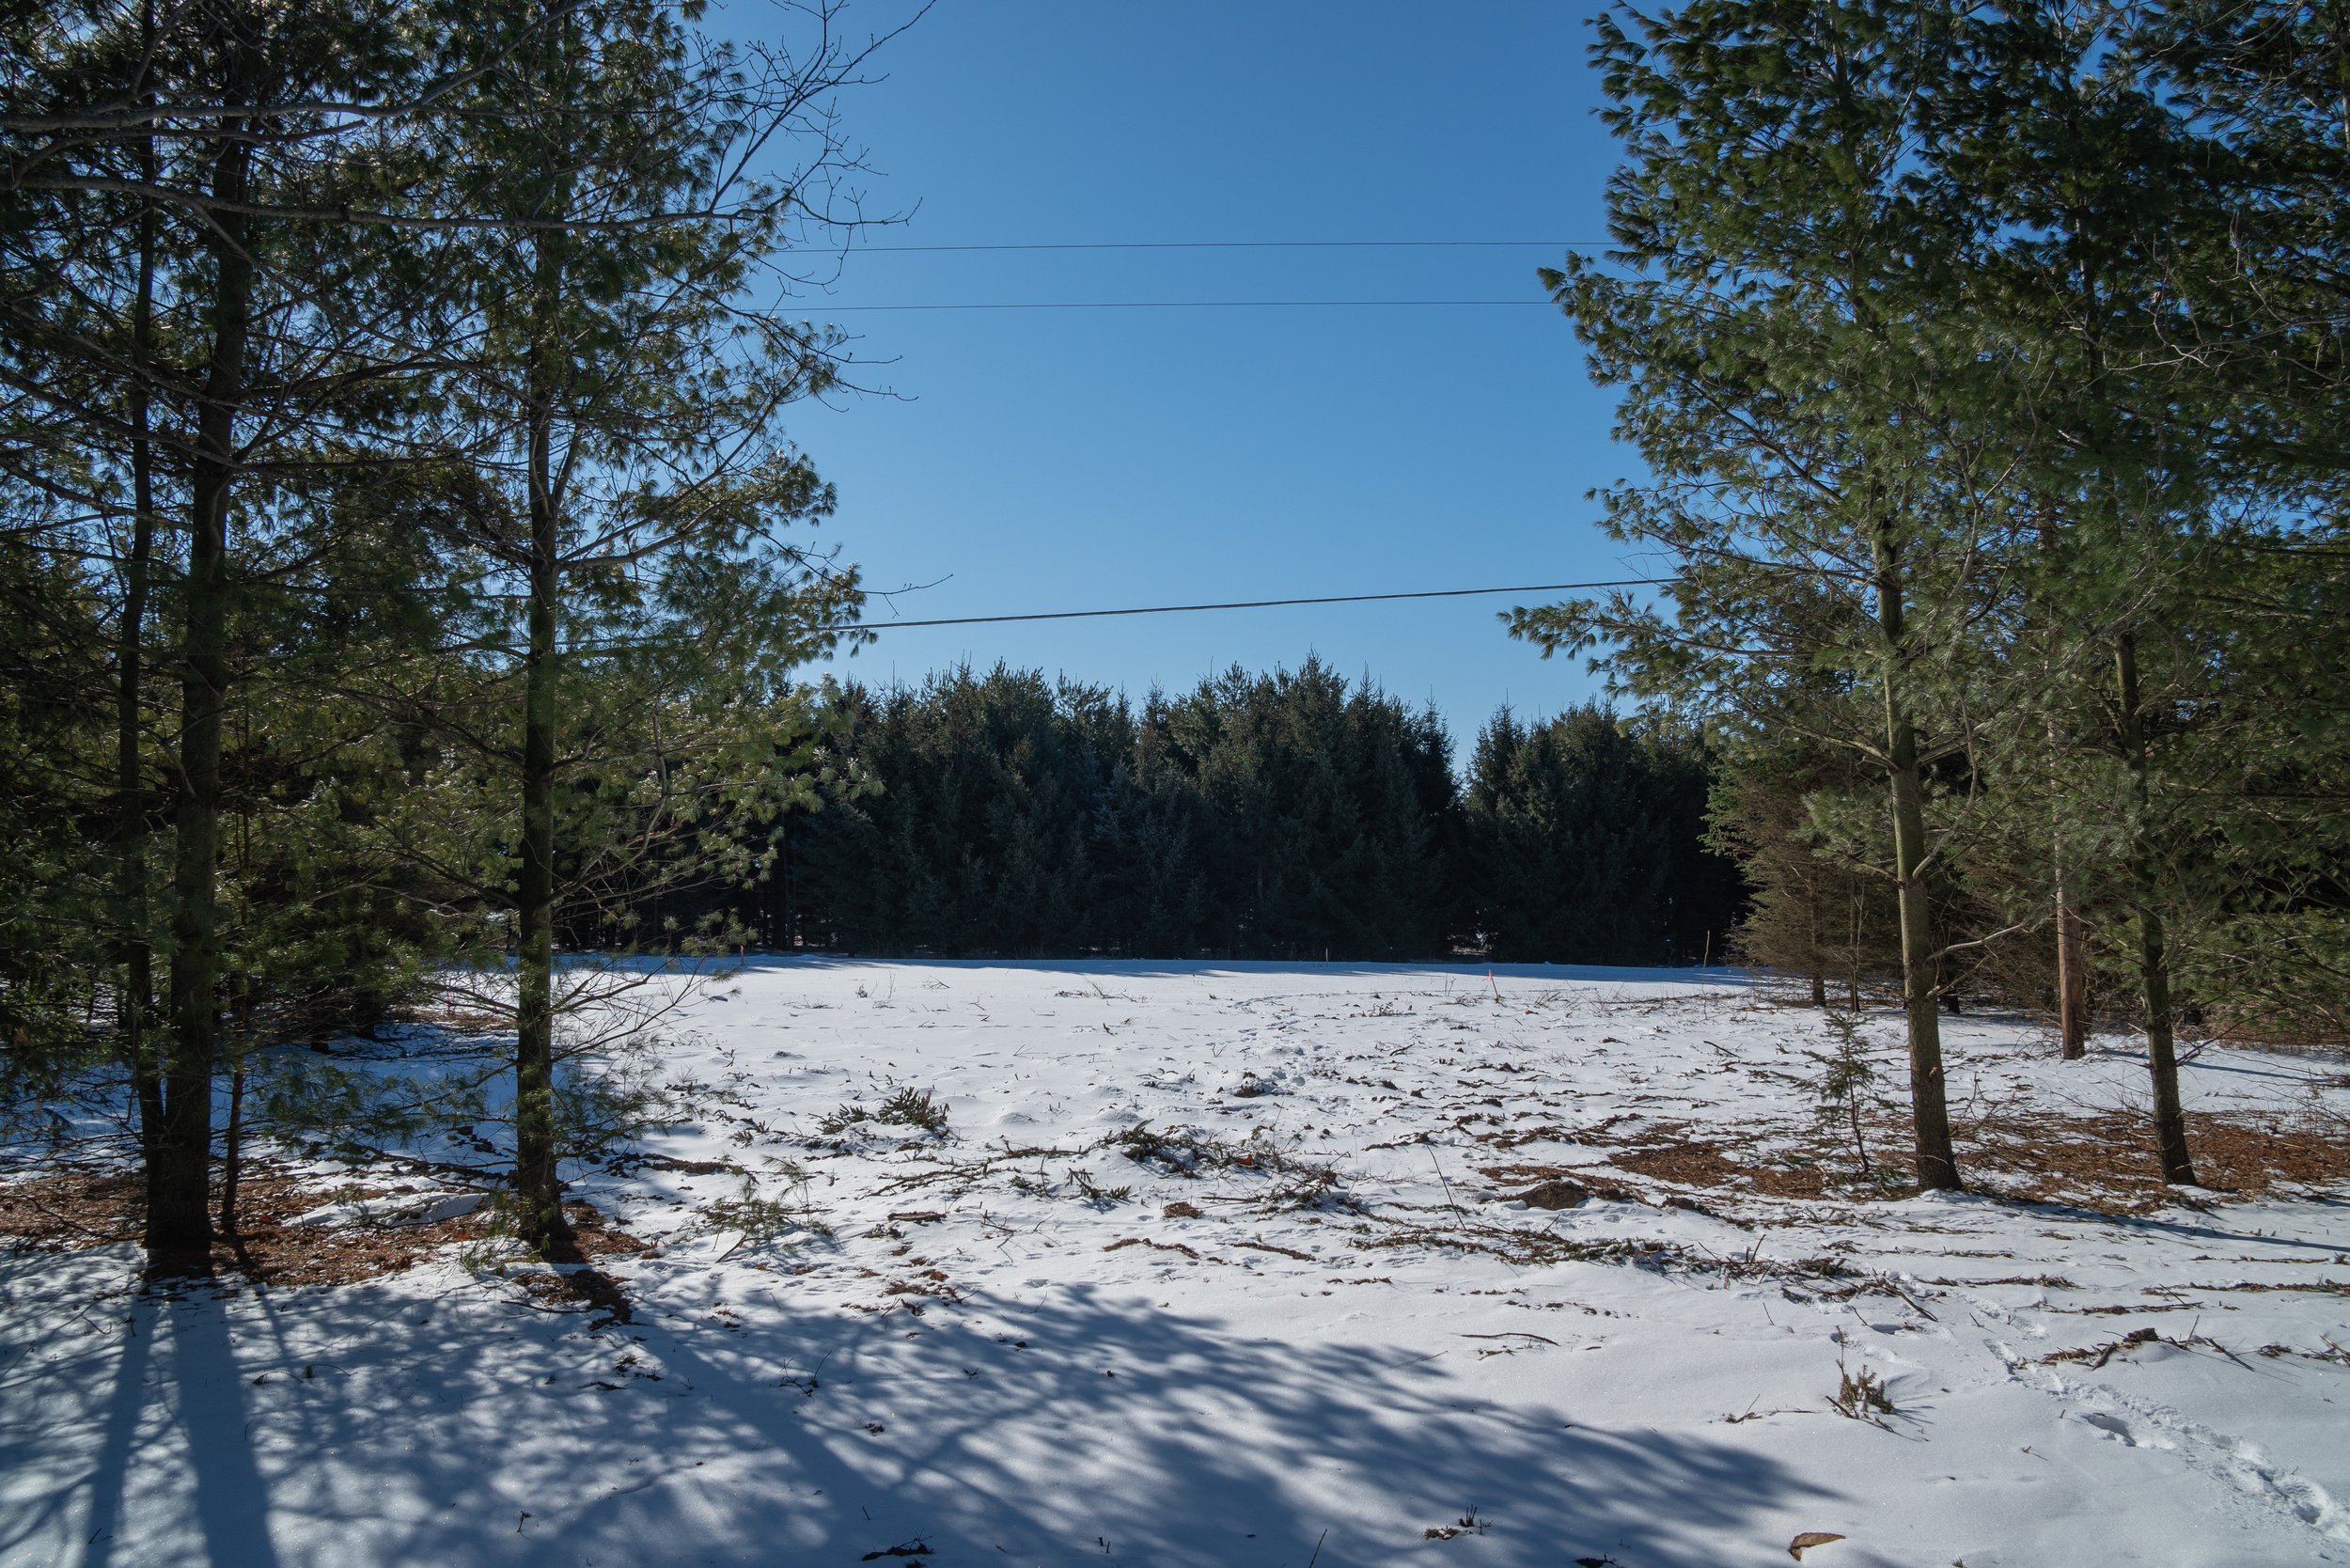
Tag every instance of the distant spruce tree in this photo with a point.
(1583, 844)
(972, 814)
(1325, 809)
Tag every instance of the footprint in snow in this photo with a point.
(2119, 1430)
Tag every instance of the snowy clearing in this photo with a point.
(1222, 1265)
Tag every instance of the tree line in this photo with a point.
(1990, 368)
(1291, 815)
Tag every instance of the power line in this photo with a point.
(1186, 305)
(1250, 604)
(1254, 244)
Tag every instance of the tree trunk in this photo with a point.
(1811, 946)
(178, 1215)
(2154, 960)
(2071, 950)
(538, 1183)
(1937, 1164)
(537, 1177)
(2072, 974)
(2071, 953)
(1853, 926)
(138, 956)
(232, 1154)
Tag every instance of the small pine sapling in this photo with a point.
(1844, 1080)
(913, 1107)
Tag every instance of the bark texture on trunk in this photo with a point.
(1811, 946)
(138, 955)
(233, 1154)
(1935, 1163)
(537, 1153)
(2072, 947)
(2072, 974)
(178, 1213)
(2153, 958)
(537, 1180)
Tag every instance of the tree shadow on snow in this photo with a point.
(474, 1429)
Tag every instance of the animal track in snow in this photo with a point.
(2142, 1423)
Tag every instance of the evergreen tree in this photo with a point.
(2255, 311)
(261, 277)
(976, 814)
(2118, 238)
(1815, 914)
(1323, 810)
(1774, 311)
(1583, 844)
(615, 480)
(186, 336)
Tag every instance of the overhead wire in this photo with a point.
(1209, 244)
(1246, 244)
(1248, 604)
(1226, 305)
(1183, 305)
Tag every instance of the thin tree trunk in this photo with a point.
(537, 1177)
(2154, 961)
(178, 1215)
(1937, 1164)
(1852, 951)
(241, 1039)
(2071, 953)
(2072, 974)
(538, 1183)
(232, 1152)
(1812, 947)
(138, 955)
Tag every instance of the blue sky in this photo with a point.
(1062, 459)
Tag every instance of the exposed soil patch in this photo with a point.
(1697, 1163)
(1556, 1193)
(2108, 1161)
(75, 1210)
(2104, 1161)
(70, 1211)
(1589, 1179)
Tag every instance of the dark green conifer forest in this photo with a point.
(1289, 816)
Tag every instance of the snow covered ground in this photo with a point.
(1346, 1343)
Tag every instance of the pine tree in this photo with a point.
(2256, 300)
(1815, 914)
(200, 338)
(1773, 310)
(615, 479)
(1324, 813)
